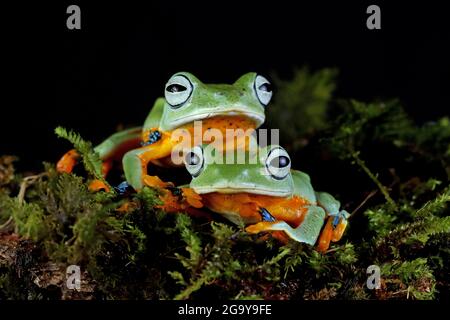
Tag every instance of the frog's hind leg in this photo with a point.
(116, 145)
(68, 161)
(112, 148)
(307, 232)
(336, 222)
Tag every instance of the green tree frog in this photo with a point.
(219, 106)
(266, 194)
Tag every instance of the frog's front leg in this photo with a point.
(308, 231)
(135, 163)
(336, 222)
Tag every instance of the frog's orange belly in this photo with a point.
(246, 207)
(221, 124)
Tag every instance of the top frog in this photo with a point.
(220, 106)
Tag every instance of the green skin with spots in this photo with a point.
(205, 101)
(253, 177)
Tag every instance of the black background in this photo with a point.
(109, 72)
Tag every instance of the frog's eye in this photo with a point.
(178, 90)
(263, 90)
(278, 163)
(193, 161)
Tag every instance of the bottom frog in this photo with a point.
(266, 195)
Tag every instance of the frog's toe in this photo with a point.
(260, 227)
(98, 185)
(154, 181)
(68, 161)
(192, 198)
(170, 202)
(325, 237)
(339, 224)
(333, 230)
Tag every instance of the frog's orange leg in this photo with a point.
(325, 236)
(135, 162)
(191, 197)
(154, 181)
(261, 226)
(68, 161)
(338, 231)
(180, 199)
(333, 231)
(97, 185)
(336, 223)
(307, 232)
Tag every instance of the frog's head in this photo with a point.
(188, 99)
(266, 172)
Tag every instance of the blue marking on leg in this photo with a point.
(153, 137)
(266, 216)
(122, 188)
(336, 220)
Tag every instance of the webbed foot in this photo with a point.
(154, 181)
(306, 232)
(333, 231)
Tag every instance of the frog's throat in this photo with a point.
(250, 190)
(257, 118)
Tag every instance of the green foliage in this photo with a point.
(91, 159)
(304, 98)
(207, 264)
(7, 170)
(410, 278)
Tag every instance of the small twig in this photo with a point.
(7, 224)
(26, 182)
(68, 242)
(380, 186)
(402, 291)
(370, 195)
(332, 250)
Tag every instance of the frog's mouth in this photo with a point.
(257, 118)
(248, 189)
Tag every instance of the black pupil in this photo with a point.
(265, 87)
(192, 159)
(280, 162)
(176, 88)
